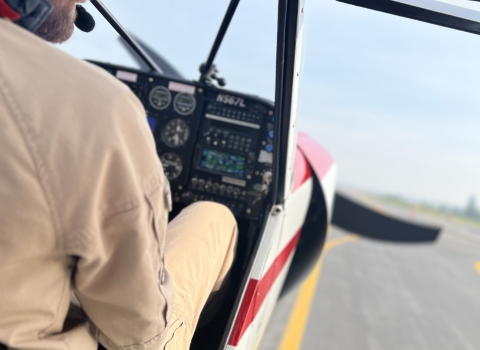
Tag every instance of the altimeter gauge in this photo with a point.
(175, 133)
(172, 165)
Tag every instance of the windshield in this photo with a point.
(183, 31)
(394, 100)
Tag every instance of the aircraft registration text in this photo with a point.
(231, 100)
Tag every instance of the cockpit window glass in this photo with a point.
(395, 101)
(183, 32)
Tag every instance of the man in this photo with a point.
(84, 206)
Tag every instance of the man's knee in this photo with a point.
(216, 212)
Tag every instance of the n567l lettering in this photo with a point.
(231, 100)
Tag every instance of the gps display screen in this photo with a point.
(222, 162)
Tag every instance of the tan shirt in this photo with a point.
(83, 204)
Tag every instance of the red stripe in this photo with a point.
(257, 292)
(7, 12)
(301, 170)
(318, 157)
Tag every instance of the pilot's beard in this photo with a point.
(58, 27)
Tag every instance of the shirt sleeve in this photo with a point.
(119, 236)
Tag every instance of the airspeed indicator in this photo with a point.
(175, 133)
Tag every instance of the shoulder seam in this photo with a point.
(28, 138)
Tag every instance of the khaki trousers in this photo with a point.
(199, 251)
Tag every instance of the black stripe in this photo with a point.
(362, 220)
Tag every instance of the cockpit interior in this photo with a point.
(214, 145)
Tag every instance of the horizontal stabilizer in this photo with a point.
(354, 217)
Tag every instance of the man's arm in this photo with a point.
(120, 278)
(119, 282)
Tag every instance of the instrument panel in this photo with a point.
(213, 144)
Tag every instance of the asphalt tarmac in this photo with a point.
(373, 295)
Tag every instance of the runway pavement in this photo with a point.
(373, 295)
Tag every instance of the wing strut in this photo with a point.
(208, 68)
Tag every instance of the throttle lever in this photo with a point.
(263, 191)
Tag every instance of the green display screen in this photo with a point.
(222, 162)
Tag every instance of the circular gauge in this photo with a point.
(184, 104)
(172, 165)
(175, 133)
(160, 97)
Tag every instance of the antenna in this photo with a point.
(123, 33)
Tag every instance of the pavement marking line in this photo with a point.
(477, 266)
(293, 335)
(338, 241)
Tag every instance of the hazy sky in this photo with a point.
(395, 101)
